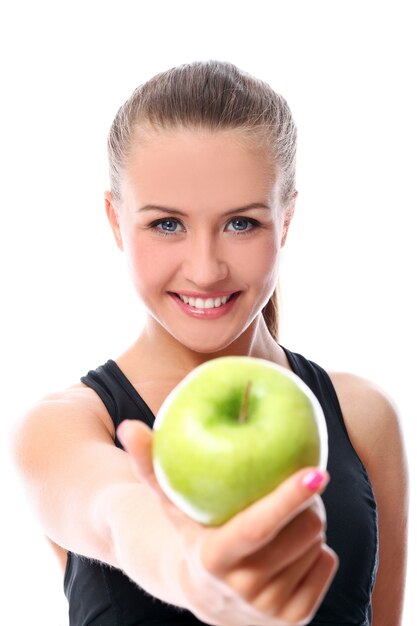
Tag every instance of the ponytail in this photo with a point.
(270, 313)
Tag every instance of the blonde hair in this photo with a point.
(215, 95)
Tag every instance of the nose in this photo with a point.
(205, 264)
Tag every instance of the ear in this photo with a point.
(289, 212)
(113, 217)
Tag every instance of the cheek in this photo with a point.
(149, 264)
(260, 262)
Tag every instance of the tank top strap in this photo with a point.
(321, 385)
(316, 378)
(119, 396)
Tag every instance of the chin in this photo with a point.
(206, 347)
(203, 344)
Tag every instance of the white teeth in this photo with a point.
(209, 303)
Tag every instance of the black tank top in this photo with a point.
(99, 595)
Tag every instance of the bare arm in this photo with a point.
(102, 502)
(76, 479)
(374, 428)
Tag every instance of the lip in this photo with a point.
(213, 313)
(204, 296)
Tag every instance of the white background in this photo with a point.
(347, 70)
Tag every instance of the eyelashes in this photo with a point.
(154, 226)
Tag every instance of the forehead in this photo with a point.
(189, 166)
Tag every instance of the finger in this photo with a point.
(251, 529)
(296, 539)
(310, 591)
(292, 541)
(275, 593)
(136, 438)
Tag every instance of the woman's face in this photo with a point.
(217, 232)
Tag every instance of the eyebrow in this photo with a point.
(157, 207)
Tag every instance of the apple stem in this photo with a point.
(243, 409)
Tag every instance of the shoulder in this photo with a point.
(70, 414)
(76, 394)
(374, 426)
(371, 416)
(77, 398)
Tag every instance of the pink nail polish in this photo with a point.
(314, 479)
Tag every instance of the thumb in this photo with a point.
(136, 438)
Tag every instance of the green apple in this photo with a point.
(231, 431)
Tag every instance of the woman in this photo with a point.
(202, 168)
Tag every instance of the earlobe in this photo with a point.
(113, 217)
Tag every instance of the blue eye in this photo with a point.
(166, 221)
(167, 226)
(241, 222)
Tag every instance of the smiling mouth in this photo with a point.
(206, 303)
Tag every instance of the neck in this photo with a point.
(156, 344)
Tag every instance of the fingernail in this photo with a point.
(314, 479)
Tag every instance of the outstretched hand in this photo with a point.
(268, 565)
